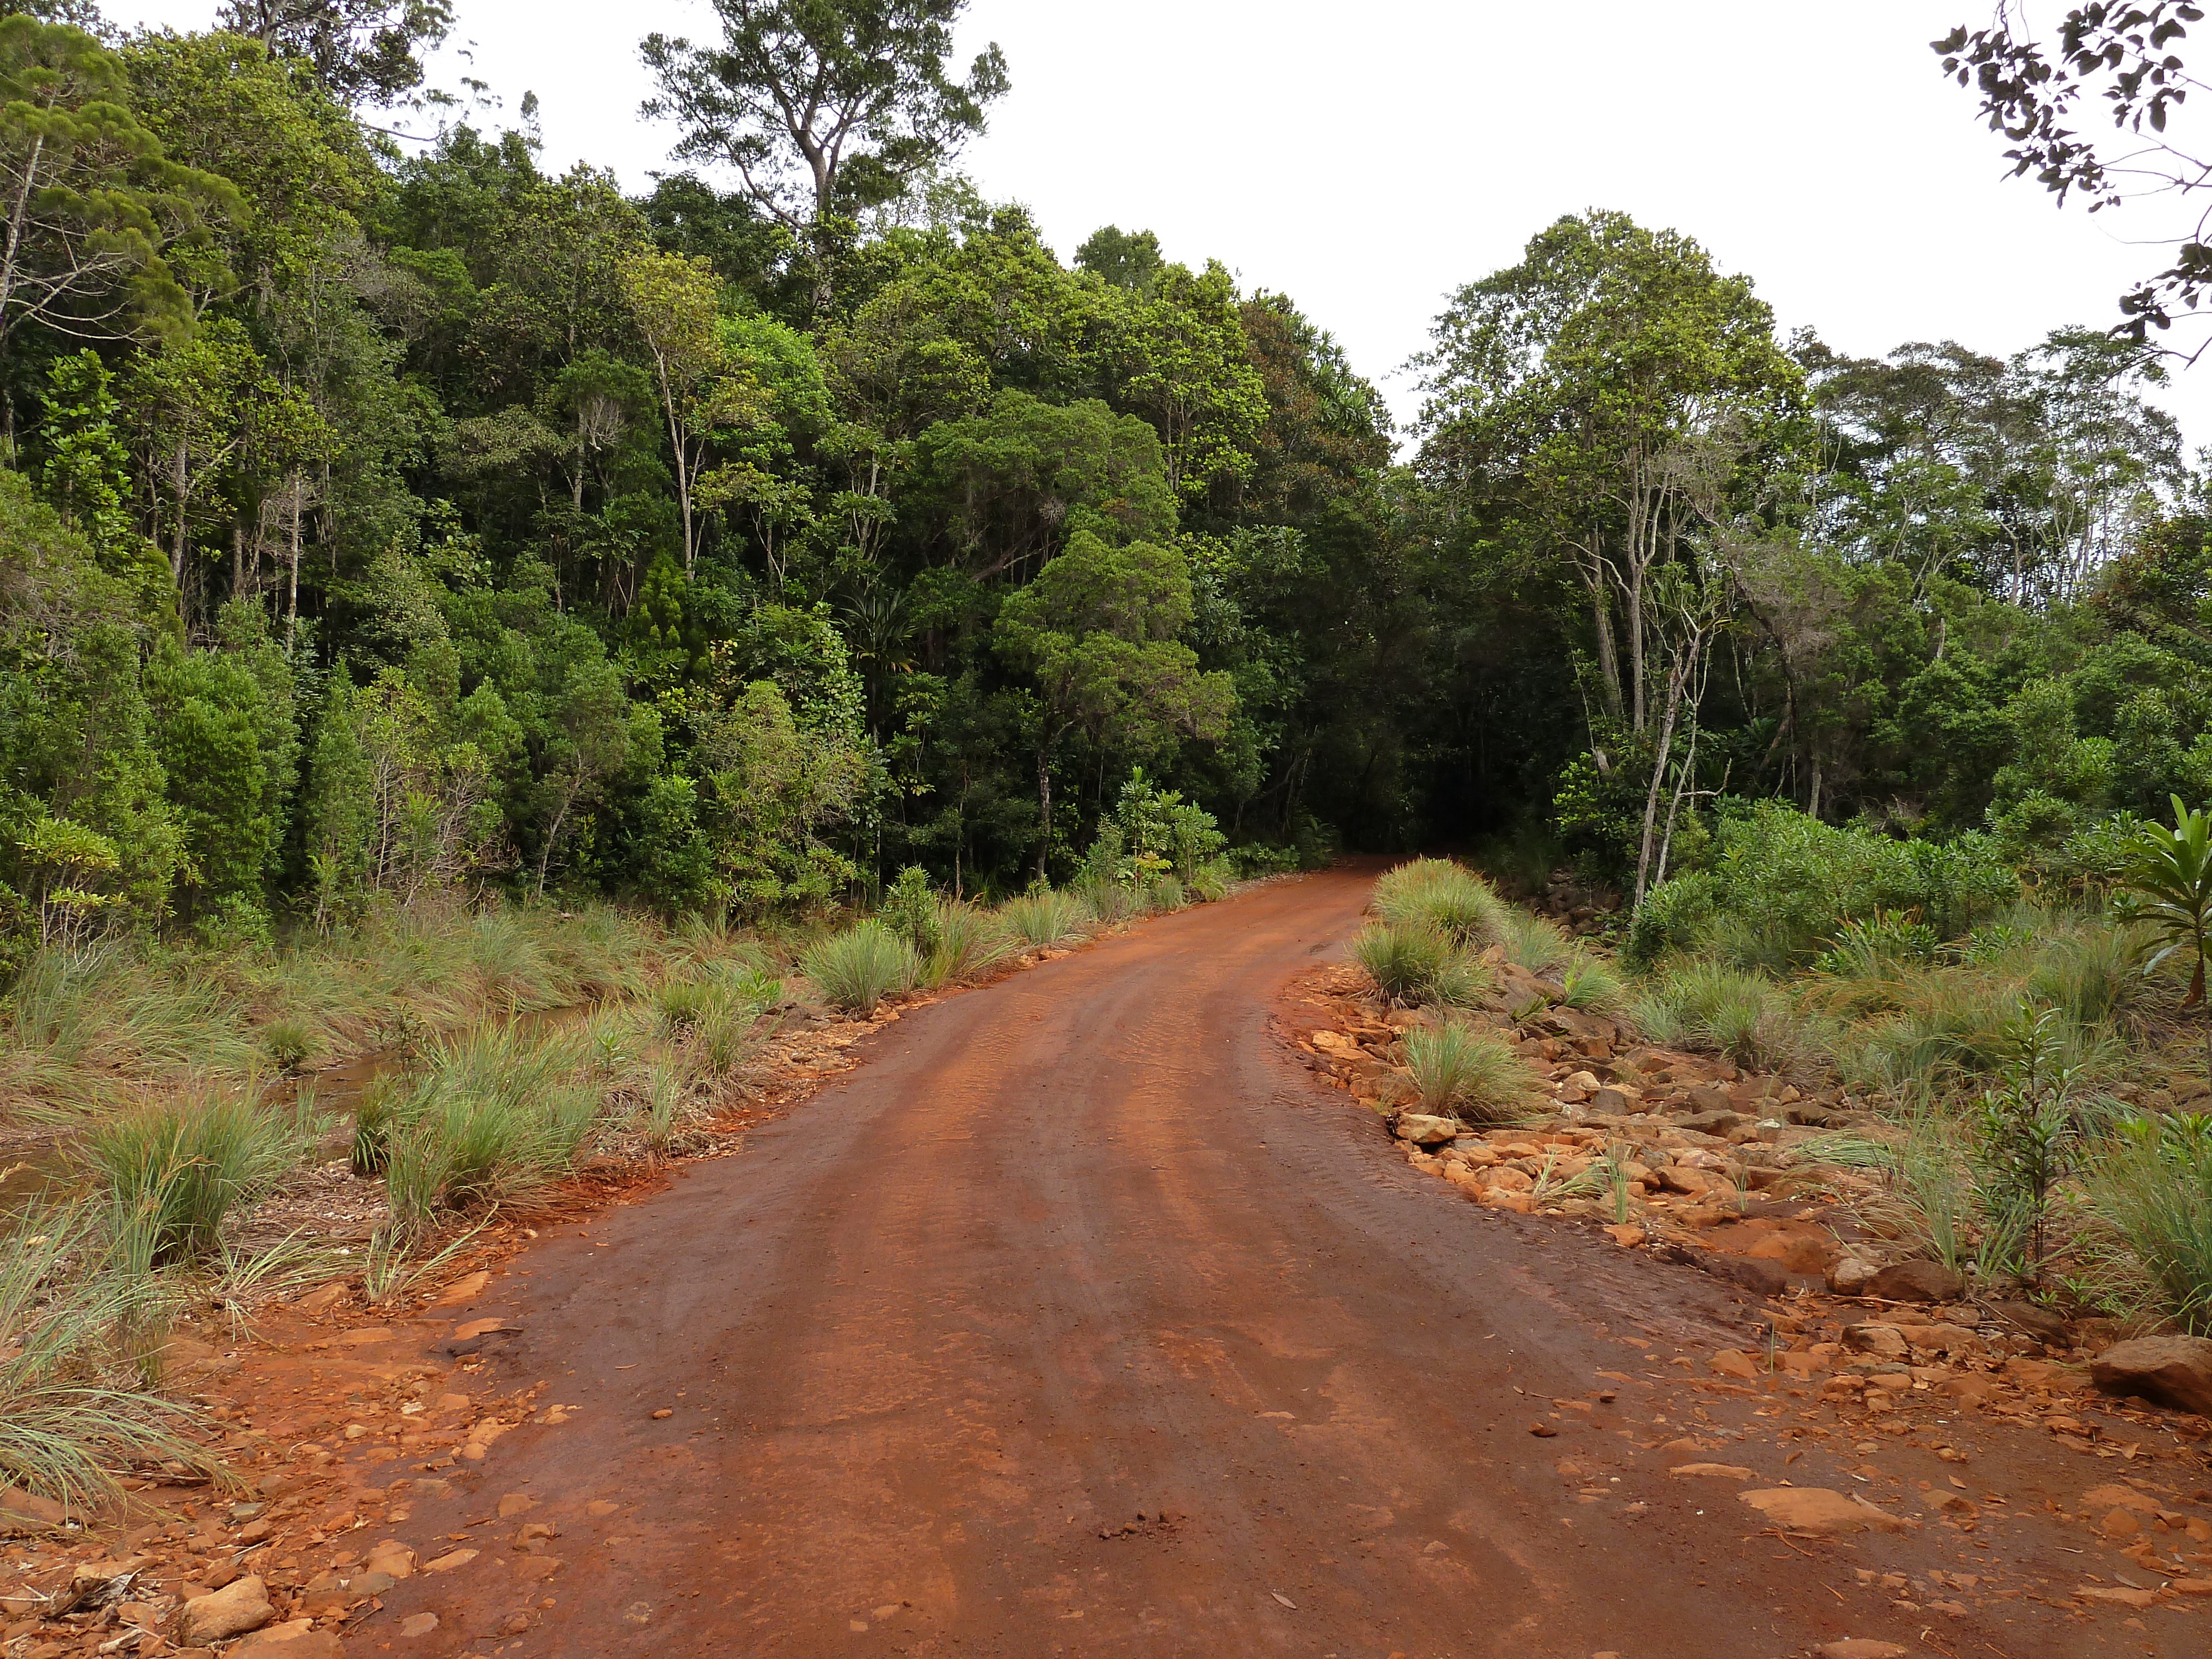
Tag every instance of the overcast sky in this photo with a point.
(1367, 159)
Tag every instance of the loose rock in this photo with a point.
(231, 1611)
(2174, 1370)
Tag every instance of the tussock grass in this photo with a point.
(1589, 983)
(1534, 942)
(2149, 1197)
(1403, 959)
(173, 1171)
(77, 1332)
(1412, 964)
(1047, 918)
(1705, 1005)
(1107, 902)
(856, 969)
(498, 1113)
(1443, 897)
(1471, 1074)
(970, 941)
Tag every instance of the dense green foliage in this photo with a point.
(388, 525)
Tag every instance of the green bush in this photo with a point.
(1213, 879)
(856, 969)
(910, 909)
(1798, 882)
(1474, 1075)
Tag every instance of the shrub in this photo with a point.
(1724, 1010)
(1797, 881)
(909, 910)
(173, 1171)
(1442, 897)
(1403, 961)
(1045, 917)
(859, 968)
(1213, 879)
(1475, 1075)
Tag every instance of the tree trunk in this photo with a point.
(292, 601)
(1674, 683)
(1608, 652)
(1044, 810)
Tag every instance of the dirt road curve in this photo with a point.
(1084, 1246)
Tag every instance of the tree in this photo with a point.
(1593, 381)
(2122, 55)
(364, 50)
(1098, 632)
(819, 103)
(703, 389)
(103, 230)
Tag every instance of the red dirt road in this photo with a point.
(1084, 1246)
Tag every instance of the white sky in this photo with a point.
(1368, 160)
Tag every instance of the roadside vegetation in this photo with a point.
(2032, 1063)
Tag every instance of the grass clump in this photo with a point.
(2149, 1195)
(1720, 1009)
(1471, 1074)
(496, 1114)
(1534, 942)
(1589, 983)
(1403, 960)
(856, 969)
(1412, 965)
(75, 1342)
(173, 1171)
(970, 941)
(1045, 917)
(1443, 897)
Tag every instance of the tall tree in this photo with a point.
(365, 51)
(100, 224)
(823, 104)
(1098, 630)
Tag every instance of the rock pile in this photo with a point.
(1674, 1150)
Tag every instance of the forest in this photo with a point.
(388, 519)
